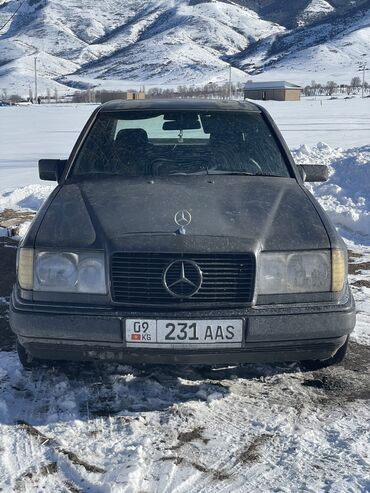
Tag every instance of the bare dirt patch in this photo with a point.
(55, 445)
(190, 436)
(252, 452)
(7, 338)
(72, 487)
(354, 255)
(12, 219)
(8, 254)
(361, 283)
(346, 382)
(217, 475)
(357, 268)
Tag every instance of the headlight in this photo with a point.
(91, 275)
(64, 272)
(302, 272)
(56, 272)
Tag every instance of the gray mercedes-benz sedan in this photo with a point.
(181, 232)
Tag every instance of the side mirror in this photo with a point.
(312, 173)
(52, 169)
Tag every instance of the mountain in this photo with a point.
(122, 43)
(334, 47)
(289, 13)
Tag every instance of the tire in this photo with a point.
(29, 362)
(26, 359)
(334, 360)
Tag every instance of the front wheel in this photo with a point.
(334, 360)
(27, 361)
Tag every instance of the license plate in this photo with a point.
(184, 333)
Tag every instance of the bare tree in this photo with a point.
(356, 83)
(331, 87)
(313, 87)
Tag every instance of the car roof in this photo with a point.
(179, 104)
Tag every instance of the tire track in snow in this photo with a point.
(304, 412)
(287, 441)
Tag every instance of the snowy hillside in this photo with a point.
(315, 10)
(179, 41)
(323, 51)
(189, 41)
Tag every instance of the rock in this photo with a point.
(11, 220)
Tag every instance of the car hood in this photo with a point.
(265, 213)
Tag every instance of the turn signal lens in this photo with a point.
(25, 268)
(338, 270)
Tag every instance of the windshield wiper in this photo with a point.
(224, 172)
(183, 173)
(245, 173)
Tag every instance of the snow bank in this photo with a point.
(346, 195)
(30, 198)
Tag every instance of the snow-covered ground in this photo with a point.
(112, 428)
(29, 133)
(340, 122)
(119, 429)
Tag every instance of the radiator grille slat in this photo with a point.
(137, 278)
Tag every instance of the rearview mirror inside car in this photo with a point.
(51, 169)
(312, 173)
(181, 122)
(182, 125)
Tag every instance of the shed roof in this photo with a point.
(275, 84)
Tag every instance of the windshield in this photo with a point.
(143, 143)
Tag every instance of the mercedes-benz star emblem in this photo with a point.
(182, 278)
(183, 218)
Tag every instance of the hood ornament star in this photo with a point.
(182, 218)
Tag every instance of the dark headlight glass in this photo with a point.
(295, 272)
(70, 272)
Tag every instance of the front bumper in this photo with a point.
(272, 333)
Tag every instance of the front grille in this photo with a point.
(137, 278)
